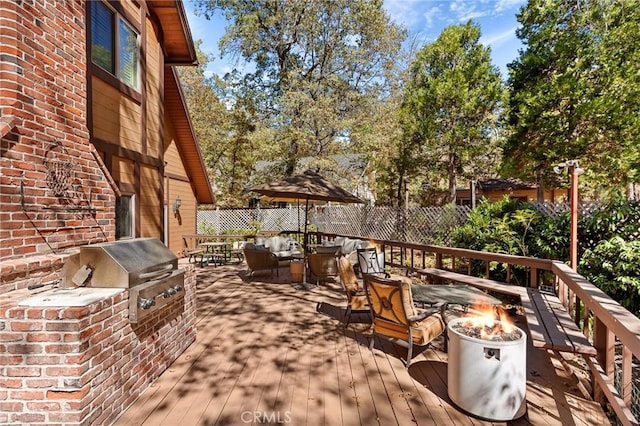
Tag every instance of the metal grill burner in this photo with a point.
(143, 265)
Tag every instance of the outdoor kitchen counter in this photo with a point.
(78, 296)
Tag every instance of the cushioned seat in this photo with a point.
(356, 294)
(259, 258)
(322, 265)
(396, 318)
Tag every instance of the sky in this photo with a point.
(424, 20)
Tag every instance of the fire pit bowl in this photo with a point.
(487, 374)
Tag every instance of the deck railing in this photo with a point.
(612, 329)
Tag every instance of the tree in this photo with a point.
(575, 91)
(229, 154)
(319, 69)
(451, 108)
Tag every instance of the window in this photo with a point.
(124, 217)
(114, 44)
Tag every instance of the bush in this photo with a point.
(608, 242)
(610, 256)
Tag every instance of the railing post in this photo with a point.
(603, 341)
(534, 278)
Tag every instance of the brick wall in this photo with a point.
(54, 192)
(85, 365)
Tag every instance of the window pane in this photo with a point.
(128, 59)
(102, 36)
(124, 217)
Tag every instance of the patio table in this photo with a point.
(215, 250)
(451, 294)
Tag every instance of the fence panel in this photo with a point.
(422, 225)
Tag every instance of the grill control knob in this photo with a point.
(146, 303)
(177, 288)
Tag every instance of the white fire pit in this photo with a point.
(487, 373)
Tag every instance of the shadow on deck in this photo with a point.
(265, 355)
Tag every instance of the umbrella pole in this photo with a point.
(304, 285)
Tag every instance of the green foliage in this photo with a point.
(608, 242)
(610, 255)
(575, 92)
(319, 70)
(451, 108)
(614, 266)
(508, 226)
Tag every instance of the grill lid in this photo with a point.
(127, 263)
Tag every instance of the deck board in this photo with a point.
(263, 350)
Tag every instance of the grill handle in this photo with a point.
(166, 269)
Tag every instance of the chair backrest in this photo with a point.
(322, 264)
(369, 260)
(347, 276)
(390, 299)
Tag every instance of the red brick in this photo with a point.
(76, 312)
(41, 383)
(28, 417)
(76, 394)
(26, 395)
(44, 406)
(11, 406)
(24, 371)
(26, 325)
(43, 337)
(10, 383)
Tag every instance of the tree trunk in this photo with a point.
(540, 194)
(452, 178)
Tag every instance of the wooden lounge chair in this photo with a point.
(356, 295)
(395, 317)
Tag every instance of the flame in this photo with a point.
(491, 320)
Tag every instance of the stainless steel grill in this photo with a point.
(143, 265)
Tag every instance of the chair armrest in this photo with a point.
(423, 314)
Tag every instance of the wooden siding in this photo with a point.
(116, 118)
(123, 170)
(150, 203)
(154, 98)
(132, 10)
(531, 195)
(184, 222)
(178, 185)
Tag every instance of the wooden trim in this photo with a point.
(113, 149)
(137, 179)
(127, 188)
(143, 81)
(178, 177)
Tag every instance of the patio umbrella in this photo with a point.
(308, 186)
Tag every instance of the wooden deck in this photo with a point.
(264, 355)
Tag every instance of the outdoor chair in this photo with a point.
(395, 317)
(356, 295)
(192, 251)
(322, 265)
(260, 259)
